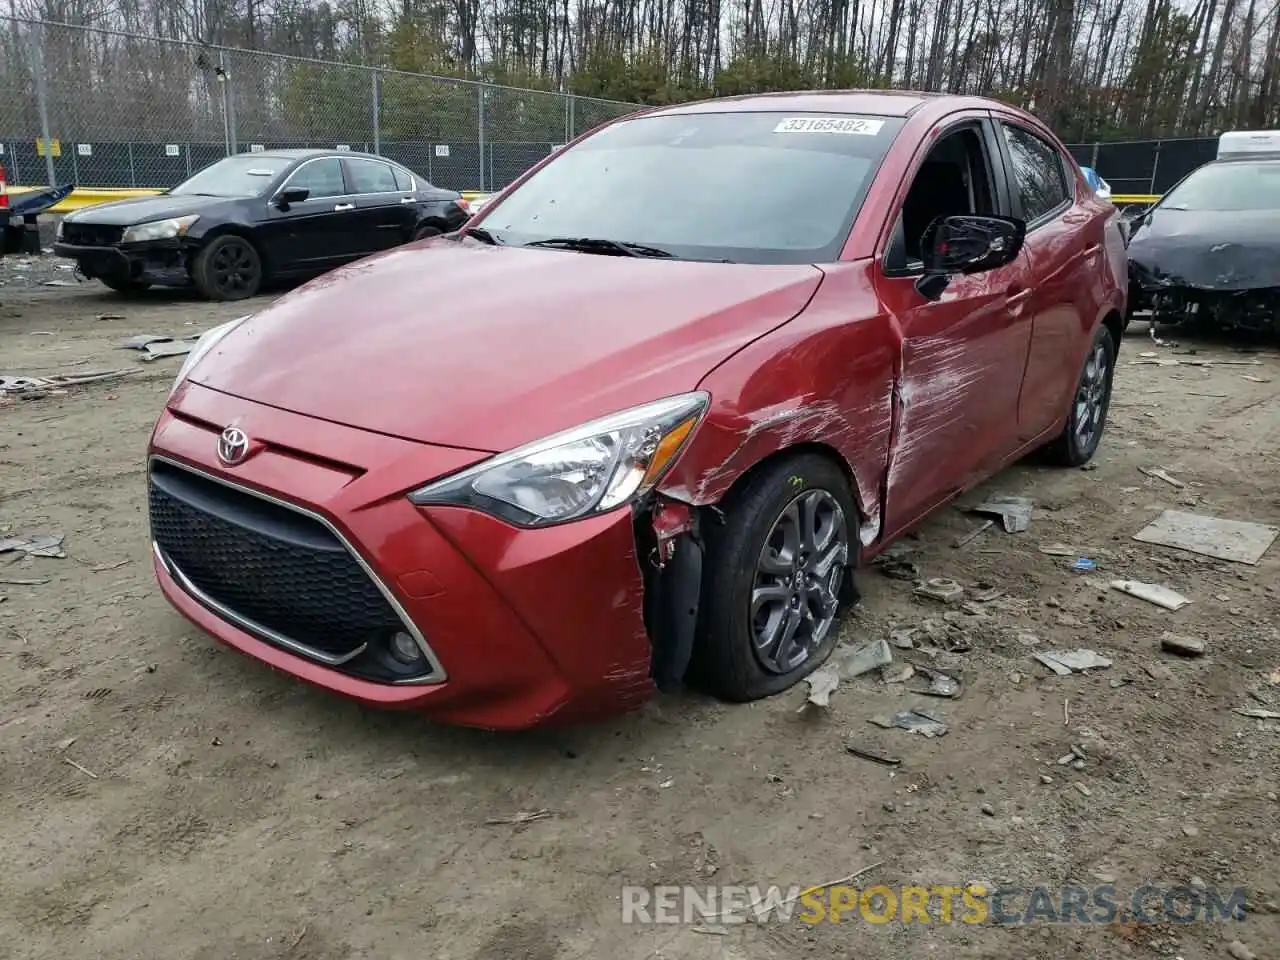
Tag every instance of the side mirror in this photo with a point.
(966, 244)
(291, 195)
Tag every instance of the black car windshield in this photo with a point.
(1233, 186)
(244, 176)
(748, 187)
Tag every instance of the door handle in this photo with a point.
(343, 206)
(407, 200)
(1017, 294)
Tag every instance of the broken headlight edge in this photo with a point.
(208, 340)
(159, 229)
(576, 473)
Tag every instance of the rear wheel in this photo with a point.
(227, 268)
(777, 572)
(1079, 439)
(125, 284)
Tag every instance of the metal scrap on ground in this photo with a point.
(23, 385)
(1234, 540)
(1066, 662)
(35, 545)
(155, 347)
(1152, 593)
(927, 723)
(1014, 512)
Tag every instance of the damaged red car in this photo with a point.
(640, 420)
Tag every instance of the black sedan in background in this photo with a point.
(258, 217)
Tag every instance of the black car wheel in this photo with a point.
(1079, 439)
(227, 268)
(776, 576)
(423, 232)
(125, 284)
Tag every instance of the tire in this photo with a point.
(125, 284)
(227, 268)
(1092, 397)
(726, 658)
(423, 232)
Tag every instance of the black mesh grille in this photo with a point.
(91, 234)
(270, 564)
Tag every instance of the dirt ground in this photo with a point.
(164, 797)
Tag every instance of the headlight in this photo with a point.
(588, 470)
(57, 234)
(206, 343)
(160, 229)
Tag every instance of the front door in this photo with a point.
(315, 234)
(963, 356)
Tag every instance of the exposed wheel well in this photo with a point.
(822, 450)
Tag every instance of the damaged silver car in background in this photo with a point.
(1208, 253)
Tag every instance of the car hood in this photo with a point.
(485, 347)
(124, 213)
(1239, 250)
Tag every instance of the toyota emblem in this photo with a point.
(233, 446)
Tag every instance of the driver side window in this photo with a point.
(953, 180)
(322, 177)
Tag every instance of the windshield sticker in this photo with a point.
(849, 125)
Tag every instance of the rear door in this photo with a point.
(1067, 256)
(315, 233)
(387, 214)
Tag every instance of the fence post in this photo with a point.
(573, 119)
(480, 98)
(42, 100)
(1155, 165)
(228, 105)
(377, 111)
(1093, 158)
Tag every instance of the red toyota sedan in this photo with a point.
(638, 422)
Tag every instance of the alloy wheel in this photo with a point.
(1091, 398)
(794, 597)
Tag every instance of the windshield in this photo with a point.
(1232, 186)
(747, 187)
(246, 176)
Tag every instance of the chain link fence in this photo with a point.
(100, 108)
(1145, 167)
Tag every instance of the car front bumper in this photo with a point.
(161, 262)
(521, 628)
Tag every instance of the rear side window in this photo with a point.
(404, 179)
(370, 176)
(1038, 173)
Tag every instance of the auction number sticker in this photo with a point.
(859, 126)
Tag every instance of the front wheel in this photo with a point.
(776, 577)
(1079, 439)
(227, 268)
(422, 233)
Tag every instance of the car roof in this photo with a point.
(883, 103)
(304, 153)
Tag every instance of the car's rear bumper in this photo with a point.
(523, 627)
(162, 262)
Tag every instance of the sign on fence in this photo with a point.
(84, 149)
(172, 150)
(442, 149)
(55, 147)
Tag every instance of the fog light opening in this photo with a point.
(405, 649)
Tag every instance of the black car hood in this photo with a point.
(125, 213)
(1229, 251)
